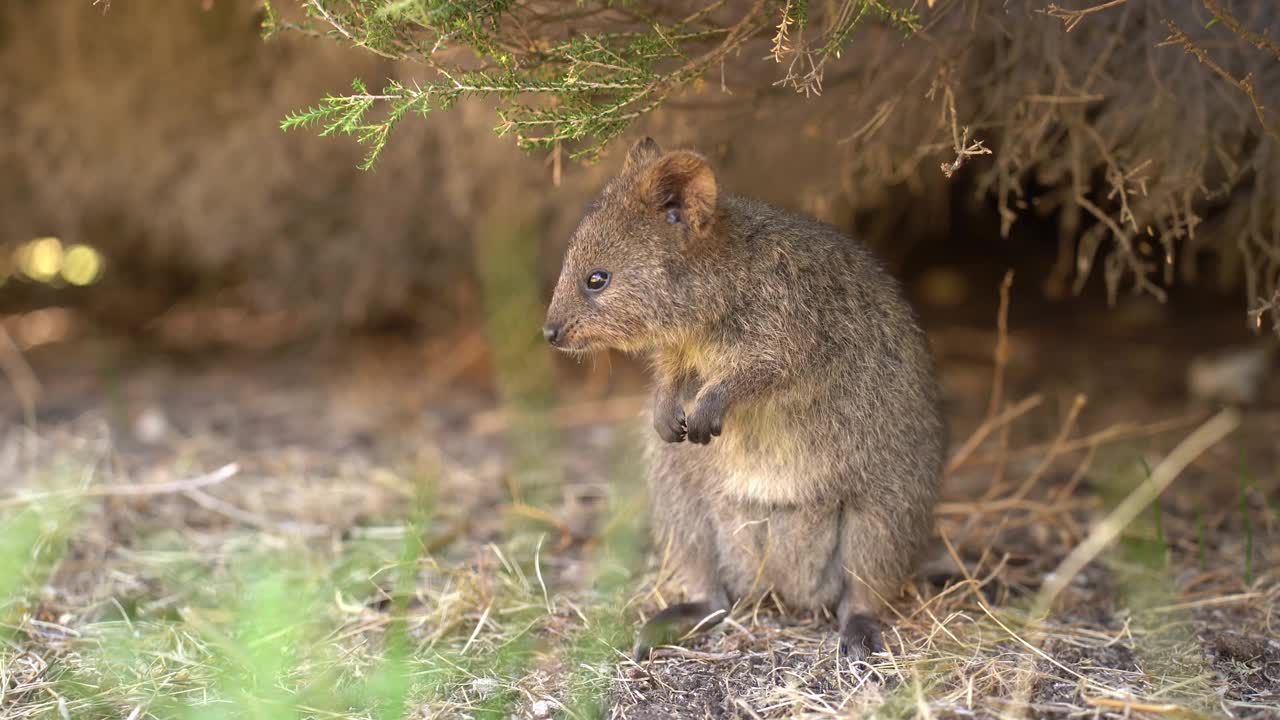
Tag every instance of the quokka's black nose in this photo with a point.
(551, 331)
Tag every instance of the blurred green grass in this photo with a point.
(371, 628)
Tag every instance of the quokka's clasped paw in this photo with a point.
(669, 419)
(707, 420)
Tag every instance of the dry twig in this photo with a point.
(1071, 18)
(1262, 41)
(1177, 36)
(987, 427)
(1054, 450)
(222, 474)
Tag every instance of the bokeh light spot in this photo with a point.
(41, 259)
(81, 265)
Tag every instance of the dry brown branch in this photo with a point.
(1178, 37)
(1262, 41)
(959, 136)
(1265, 306)
(1082, 468)
(1127, 256)
(781, 39)
(988, 426)
(1071, 18)
(1119, 431)
(877, 120)
(1058, 442)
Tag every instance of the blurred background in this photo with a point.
(150, 197)
(183, 286)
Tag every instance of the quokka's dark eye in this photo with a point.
(597, 280)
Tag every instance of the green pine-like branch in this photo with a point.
(575, 77)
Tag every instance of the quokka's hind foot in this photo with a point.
(860, 637)
(673, 623)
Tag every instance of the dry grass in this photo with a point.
(343, 569)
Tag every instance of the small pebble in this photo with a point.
(544, 708)
(151, 426)
(1234, 376)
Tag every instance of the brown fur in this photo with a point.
(799, 443)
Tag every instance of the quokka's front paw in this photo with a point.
(668, 418)
(707, 419)
(669, 421)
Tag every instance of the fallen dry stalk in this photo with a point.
(1132, 705)
(222, 474)
(1104, 533)
(252, 519)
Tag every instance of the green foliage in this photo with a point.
(270, 20)
(1246, 480)
(574, 78)
(33, 541)
(838, 38)
(348, 114)
(1161, 556)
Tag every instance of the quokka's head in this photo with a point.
(626, 280)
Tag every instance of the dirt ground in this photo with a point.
(188, 460)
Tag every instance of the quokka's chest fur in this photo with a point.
(773, 451)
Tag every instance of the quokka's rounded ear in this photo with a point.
(641, 153)
(682, 185)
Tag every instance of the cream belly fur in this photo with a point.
(791, 552)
